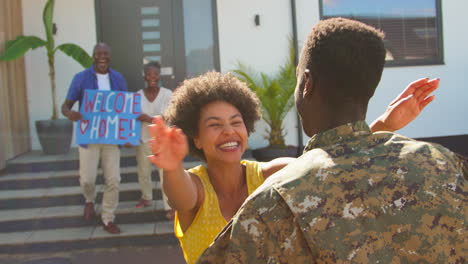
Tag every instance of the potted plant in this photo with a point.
(276, 99)
(54, 134)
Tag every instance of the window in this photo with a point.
(413, 29)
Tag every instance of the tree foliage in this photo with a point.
(275, 94)
(16, 48)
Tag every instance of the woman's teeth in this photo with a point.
(229, 145)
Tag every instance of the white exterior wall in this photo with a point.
(76, 24)
(264, 48)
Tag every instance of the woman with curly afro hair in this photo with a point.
(211, 116)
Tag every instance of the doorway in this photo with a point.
(140, 31)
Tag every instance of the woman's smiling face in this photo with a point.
(222, 134)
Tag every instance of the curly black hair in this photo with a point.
(152, 64)
(346, 59)
(193, 94)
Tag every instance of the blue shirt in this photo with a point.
(87, 79)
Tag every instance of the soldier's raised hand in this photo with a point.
(407, 105)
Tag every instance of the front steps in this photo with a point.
(41, 207)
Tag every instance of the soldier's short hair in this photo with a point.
(346, 59)
(193, 94)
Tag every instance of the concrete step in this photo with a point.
(86, 237)
(15, 220)
(22, 181)
(62, 196)
(46, 179)
(36, 161)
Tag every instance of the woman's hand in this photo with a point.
(169, 145)
(145, 118)
(407, 106)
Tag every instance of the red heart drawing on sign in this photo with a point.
(83, 126)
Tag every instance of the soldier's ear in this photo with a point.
(308, 83)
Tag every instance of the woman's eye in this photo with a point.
(214, 125)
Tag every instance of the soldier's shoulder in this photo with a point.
(411, 146)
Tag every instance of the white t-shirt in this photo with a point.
(157, 107)
(103, 82)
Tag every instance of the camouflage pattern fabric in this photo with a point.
(354, 197)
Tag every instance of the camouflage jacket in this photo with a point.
(354, 197)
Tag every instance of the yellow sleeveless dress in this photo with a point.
(209, 220)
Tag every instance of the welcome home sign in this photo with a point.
(109, 117)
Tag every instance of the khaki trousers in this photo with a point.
(110, 164)
(144, 174)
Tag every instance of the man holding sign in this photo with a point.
(99, 77)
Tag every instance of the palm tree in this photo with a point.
(18, 47)
(275, 94)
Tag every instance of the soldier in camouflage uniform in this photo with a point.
(354, 196)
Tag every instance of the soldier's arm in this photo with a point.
(269, 168)
(463, 163)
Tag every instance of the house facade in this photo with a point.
(425, 38)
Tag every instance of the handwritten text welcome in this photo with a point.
(109, 117)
